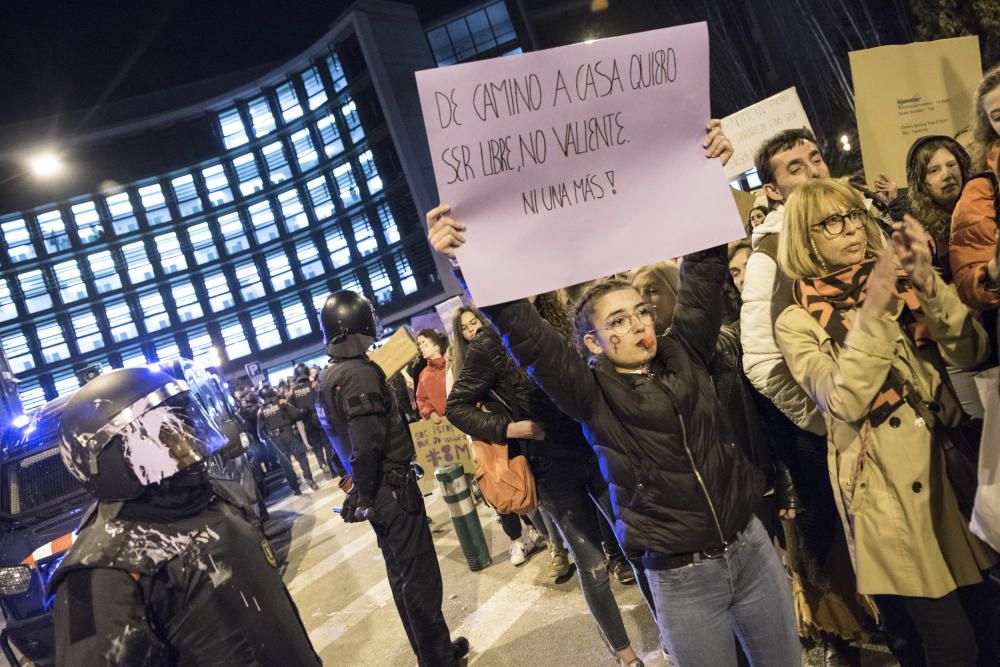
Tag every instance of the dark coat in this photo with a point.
(678, 484)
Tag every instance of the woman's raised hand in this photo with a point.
(881, 285)
(443, 231)
(911, 245)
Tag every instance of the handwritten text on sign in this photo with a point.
(577, 162)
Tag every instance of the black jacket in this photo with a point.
(488, 368)
(678, 484)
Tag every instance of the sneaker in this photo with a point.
(518, 553)
(558, 563)
(534, 537)
(312, 484)
(621, 571)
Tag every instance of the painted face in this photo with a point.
(793, 167)
(756, 217)
(839, 237)
(623, 330)
(944, 178)
(470, 325)
(428, 348)
(661, 296)
(738, 267)
(991, 105)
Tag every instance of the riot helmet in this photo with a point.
(346, 313)
(301, 370)
(267, 392)
(131, 428)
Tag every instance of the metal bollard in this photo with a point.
(456, 493)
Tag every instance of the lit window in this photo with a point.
(296, 319)
(167, 349)
(102, 266)
(220, 296)
(133, 357)
(247, 174)
(154, 204)
(264, 329)
(304, 151)
(292, 210)
(232, 233)
(52, 341)
(8, 310)
(122, 216)
(248, 278)
(279, 270)
(277, 166)
(18, 241)
(372, 179)
(288, 100)
(154, 313)
(380, 282)
(405, 273)
(364, 237)
(36, 296)
(32, 395)
(120, 321)
(70, 282)
(65, 382)
(186, 193)
(329, 134)
(320, 293)
(233, 132)
(388, 223)
(217, 185)
(340, 253)
(53, 231)
(88, 222)
(234, 339)
(171, 256)
(346, 185)
(202, 243)
(349, 281)
(350, 113)
(140, 269)
(314, 88)
(15, 348)
(202, 347)
(336, 72)
(261, 117)
(88, 334)
(262, 219)
(308, 256)
(186, 300)
(319, 194)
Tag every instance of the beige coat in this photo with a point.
(906, 533)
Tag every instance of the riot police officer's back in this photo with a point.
(167, 569)
(276, 424)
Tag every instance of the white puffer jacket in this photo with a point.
(762, 360)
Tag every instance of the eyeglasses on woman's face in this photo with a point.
(621, 323)
(835, 225)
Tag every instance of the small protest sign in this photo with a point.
(438, 445)
(750, 127)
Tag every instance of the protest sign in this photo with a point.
(902, 93)
(438, 445)
(446, 311)
(396, 352)
(579, 161)
(750, 127)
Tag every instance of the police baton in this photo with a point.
(366, 515)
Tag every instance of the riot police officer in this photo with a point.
(167, 568)
(357, 410)
(303, 399)
(276, 424)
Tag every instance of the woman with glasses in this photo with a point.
(865, 339)
(682, 494)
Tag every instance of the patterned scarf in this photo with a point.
(830, 298)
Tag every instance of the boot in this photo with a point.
(558, 562)
(312, 484)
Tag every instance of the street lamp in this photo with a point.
(46, 165)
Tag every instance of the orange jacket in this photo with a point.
(432, 394)
(973, 242)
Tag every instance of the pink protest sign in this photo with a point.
(579, 161)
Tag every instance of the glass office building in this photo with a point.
(228, 260)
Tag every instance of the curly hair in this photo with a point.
(586, 305)
(552, 309)
(982, 129)
(436, 337)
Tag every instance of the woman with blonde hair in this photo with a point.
(869, 330)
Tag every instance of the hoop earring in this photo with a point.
(816, 255)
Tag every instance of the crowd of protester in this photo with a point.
(771, 428)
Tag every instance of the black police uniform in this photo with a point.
(203, 589)
(303, 399)
(276, 423)
(356, 408)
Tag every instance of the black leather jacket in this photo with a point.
(678, 483)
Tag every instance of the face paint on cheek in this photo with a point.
(616, 341)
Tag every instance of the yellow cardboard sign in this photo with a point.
(439, 445)
(398, 351)
(902, 93)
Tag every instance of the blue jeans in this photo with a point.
(745, 592)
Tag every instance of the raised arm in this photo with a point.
(698, 315)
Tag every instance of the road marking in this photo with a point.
(493, 618)
(359, 609)
(315, 572)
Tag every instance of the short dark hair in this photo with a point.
(435, 337)
(782, 141)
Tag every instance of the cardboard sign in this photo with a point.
(577, 162)
(438, 445)
(750, 127)
(902, 93)
(398, 351)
